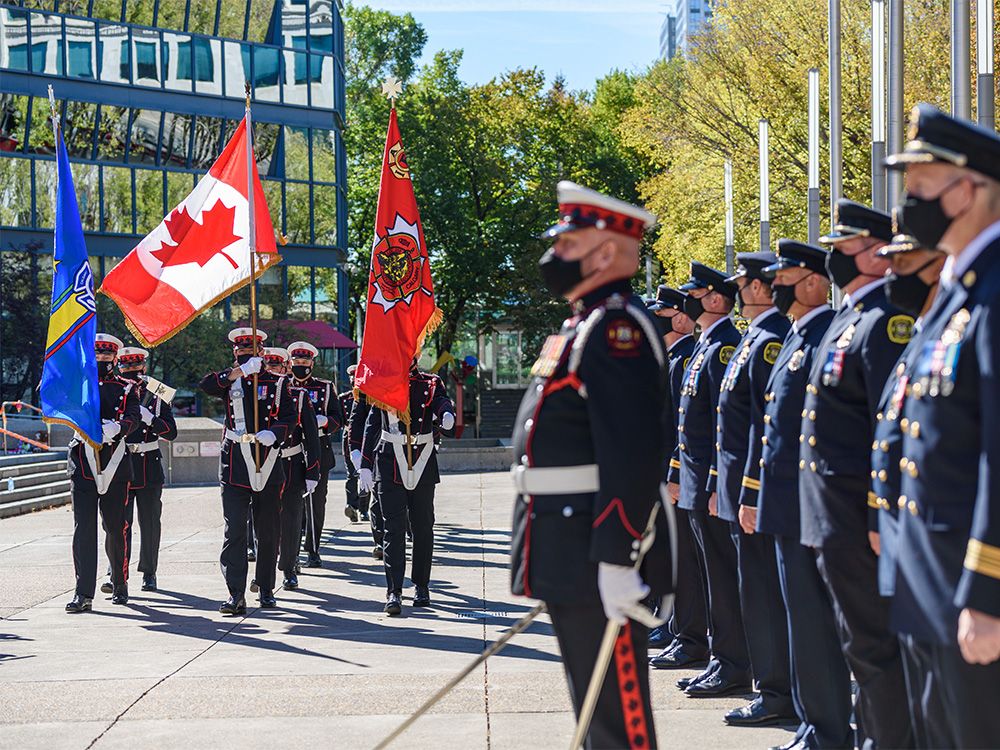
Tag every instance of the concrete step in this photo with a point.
(37, 491)
(28, 505)
(11, 484)
(34, 467)
(20, 459)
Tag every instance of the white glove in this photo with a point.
(366, 482)
(266, 438)
(356, 459)
(110, 430)
(622, 592)
(321, 421)
(147, 415)
(311, 485)
(251, 366)
(448, 420)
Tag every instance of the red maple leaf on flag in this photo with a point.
(198, 243)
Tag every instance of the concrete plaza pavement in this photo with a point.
(326, 669)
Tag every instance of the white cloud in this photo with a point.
(520, 6)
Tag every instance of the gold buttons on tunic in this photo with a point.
(915, 429)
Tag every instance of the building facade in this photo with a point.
(682, 22)
(148, 92)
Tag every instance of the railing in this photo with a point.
(18, 406)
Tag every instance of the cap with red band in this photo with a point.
(303, 349)
(132, 355)
(105, 342)
(583, 208)
(244, 336)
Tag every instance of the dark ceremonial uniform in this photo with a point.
(146, 485)
(356, 437)
(302, 457)
(586, 491)
(823, 704)
(741, 406)
(406, 494)
(696, 443)
(355, 500)
(241, 483)
(851, 365)
(325, 402)
(105, 489)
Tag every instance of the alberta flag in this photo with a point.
(69, 389)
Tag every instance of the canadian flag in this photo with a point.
(200, 253)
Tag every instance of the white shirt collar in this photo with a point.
(755, 323)
(714, 325)
(955, 267)
(678, 341)
(799, 323)
(851, 299)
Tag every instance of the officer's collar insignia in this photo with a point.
(969, 279)
(548, 359)
(795, 363)
(846, 337)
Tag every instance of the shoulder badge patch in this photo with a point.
(624, 338)
(548, 360)
(771, 352)
(726, 354)
(900, 329)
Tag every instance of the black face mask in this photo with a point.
(561, 276)
(242, 359)
(693, 308)
(784, 297)
(134, 375)
(842, 269)
(105, 369)
(665, 325)
(925, 218)
(301, 371)
(909, 293)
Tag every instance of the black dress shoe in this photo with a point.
(660, 637)
(121, 595)
(107, 588)
(234, 605)
(251, 555)
(677, 658)
(149, 583)
(422, 598)
(291, 582)
(685, 682)
(79, 604)
(363, 517)
(793, 744)
(377, 553)
(313, 561)
(351, 513)
(393, 604)
(716, 686)
(267, 600)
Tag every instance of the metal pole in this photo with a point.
(836, 130)
(649, 275)
(728, 191)
(894, 135)
(961, 105)
(765, 186)
(878, 104)
(813, 189)
(252, 245)
(985, 95)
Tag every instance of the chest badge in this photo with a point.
(795, 363)
(548, 359)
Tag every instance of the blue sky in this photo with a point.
(582, 39)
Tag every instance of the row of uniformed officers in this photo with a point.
(829, 472)
(276, 456)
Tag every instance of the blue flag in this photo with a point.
(69, 390)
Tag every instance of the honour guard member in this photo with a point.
(356, 507)
(356, 437)
(688, 624)
(586, 487)
(947, 584)
(330, 418)
(800, 290)
(740, 421)
(403, 464)
(710, 299)
(249, 465)
(912, 287)
(100, 481)
(300, 456)
(146, 485)
(851, 365)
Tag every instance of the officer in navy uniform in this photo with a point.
(356, 507)
(740, 420)
(356, 437)
(947, 584)
(850, 368)
(586, 487)
(912, 287)
(146, 486)
(244, 481)
(687, 629)
(821, 681)
(710, 299)
(300, 457)
(406, 476)
(329, 418)
(103, 484)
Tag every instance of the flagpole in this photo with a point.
(252, 242)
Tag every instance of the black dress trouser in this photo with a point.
(397, 505)
(236, 508)
(689, 619)
(290, 514)
(148, 504)
(623, 717)
(315, 512)
(86, 504)
(970, 697)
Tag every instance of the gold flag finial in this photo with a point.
(392, 88)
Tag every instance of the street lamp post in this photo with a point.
(730, 243)
(961, 105)
(813, 190)
(765, 187)
(984, 64)
(878, 104)
(894, 136)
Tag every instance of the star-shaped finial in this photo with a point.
(392, 88)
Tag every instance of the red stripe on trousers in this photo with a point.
(628, 689)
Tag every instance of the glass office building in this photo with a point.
(149, 91)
